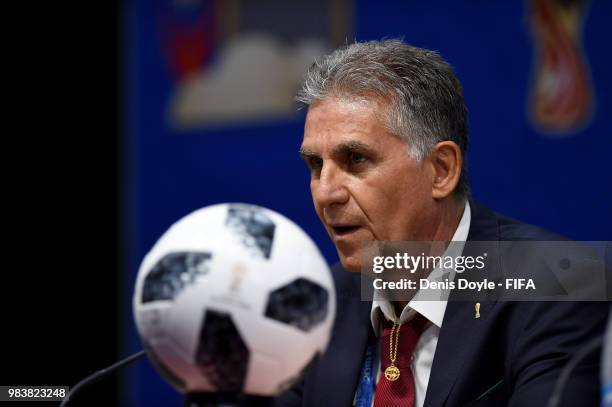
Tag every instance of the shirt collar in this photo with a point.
(431, 309)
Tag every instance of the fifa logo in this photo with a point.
(561, 98)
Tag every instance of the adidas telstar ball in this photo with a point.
(234, 298)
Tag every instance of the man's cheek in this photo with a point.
(319, 212)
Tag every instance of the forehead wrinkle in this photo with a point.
(336, 126)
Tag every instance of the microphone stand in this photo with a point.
(191, 399)
(99, 375)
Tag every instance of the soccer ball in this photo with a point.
(234, 298)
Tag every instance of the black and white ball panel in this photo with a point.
(173, 273)
(253, 226)
(222, 355)
(301, 303)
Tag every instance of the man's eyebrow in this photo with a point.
(351, 147)
(306, 152)
(340, 149)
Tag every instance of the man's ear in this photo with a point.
(446, 161)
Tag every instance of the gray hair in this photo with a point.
(424, 96)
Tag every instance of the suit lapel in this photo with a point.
(456, 344)
(460, 330)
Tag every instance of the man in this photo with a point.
(385, 140)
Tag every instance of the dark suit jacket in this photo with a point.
(511, 356)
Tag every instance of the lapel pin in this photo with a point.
(477, 308)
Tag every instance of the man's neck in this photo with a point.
(450, 217)
(398, 307)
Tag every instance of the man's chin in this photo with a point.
(351, 264)
(350, 255)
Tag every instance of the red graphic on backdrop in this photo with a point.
(561, 100)
(187, 36)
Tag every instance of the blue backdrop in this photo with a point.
(563, 183)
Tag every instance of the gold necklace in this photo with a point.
(392, 373)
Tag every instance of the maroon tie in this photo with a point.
(400, 392)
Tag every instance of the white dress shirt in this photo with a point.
(433, 310)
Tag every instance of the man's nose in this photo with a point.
(330, 188)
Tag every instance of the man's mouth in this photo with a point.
(345, 230)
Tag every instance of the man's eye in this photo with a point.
(316, 162)
(356, 158)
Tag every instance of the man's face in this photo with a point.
(364, 184)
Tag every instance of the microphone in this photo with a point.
(100, 374)
(226, 400)
(586, 350)
(606, 372)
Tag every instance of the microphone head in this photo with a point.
(234, 298)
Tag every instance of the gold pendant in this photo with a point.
(392, 373)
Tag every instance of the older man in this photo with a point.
(385, 140)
